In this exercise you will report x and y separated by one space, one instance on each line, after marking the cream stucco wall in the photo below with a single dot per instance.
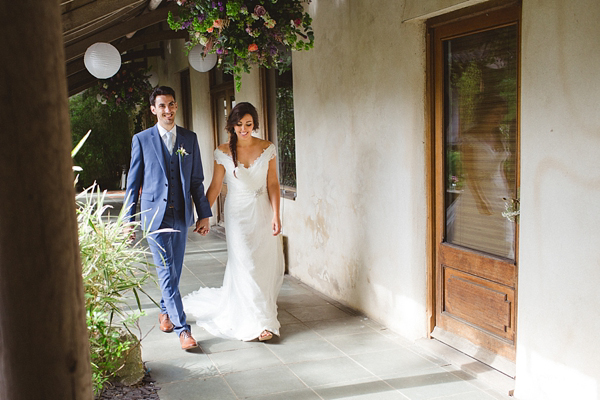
357 228
559 274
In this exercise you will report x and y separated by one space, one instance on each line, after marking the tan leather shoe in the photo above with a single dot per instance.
165 323
187 341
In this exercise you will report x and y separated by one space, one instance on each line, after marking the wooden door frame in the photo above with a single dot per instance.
225 88
186 99
432 159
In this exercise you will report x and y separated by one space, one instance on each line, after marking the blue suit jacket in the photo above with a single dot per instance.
147 170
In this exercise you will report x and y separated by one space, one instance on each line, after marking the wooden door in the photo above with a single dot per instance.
223 100
475 65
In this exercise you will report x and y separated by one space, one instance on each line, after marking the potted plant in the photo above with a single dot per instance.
114 269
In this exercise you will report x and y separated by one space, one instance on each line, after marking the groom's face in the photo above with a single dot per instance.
165 108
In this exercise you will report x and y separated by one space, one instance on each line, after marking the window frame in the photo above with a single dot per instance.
269 87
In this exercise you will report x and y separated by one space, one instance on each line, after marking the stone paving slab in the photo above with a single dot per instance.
326 351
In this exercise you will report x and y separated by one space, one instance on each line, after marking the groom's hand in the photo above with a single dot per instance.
202 226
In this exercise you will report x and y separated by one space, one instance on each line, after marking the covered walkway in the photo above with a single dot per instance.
326 351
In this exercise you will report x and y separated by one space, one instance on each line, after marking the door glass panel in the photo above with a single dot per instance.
480 133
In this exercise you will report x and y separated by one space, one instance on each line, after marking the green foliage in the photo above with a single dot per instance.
107 350
481 65
286 136
468 85
128 90
107 151
113 269
246 32
455 171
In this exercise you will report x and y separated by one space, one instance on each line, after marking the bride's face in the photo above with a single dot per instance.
244 127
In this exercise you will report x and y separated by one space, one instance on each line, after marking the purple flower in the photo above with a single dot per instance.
220 50
221 8
272 50
213 4
259 10
201 17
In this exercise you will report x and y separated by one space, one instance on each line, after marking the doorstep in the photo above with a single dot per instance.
486 374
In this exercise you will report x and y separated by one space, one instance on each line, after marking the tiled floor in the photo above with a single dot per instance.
326 351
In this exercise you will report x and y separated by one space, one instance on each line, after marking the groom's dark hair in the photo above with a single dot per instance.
161 91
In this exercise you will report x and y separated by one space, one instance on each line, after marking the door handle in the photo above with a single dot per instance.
512 208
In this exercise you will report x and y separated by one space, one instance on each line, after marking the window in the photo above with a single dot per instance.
280 95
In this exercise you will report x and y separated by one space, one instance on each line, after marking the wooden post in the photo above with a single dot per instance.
44 350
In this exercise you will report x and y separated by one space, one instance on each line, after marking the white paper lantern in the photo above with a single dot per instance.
200 62
100 99
153 79
102 60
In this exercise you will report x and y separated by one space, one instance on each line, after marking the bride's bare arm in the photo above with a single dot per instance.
215 185
274 195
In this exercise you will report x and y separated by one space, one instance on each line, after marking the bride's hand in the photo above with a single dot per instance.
276 225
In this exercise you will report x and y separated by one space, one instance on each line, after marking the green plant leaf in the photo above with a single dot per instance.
80 144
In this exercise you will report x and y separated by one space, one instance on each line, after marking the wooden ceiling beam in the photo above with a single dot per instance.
84 80
98 10
100 24
80 81
140 39
70 5
74 67
145 53
118 31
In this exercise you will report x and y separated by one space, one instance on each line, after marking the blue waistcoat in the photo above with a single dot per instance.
175 194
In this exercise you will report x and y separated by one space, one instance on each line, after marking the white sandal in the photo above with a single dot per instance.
265 335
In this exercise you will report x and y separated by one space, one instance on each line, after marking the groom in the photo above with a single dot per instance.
165 163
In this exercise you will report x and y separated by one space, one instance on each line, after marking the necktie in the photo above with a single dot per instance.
169 142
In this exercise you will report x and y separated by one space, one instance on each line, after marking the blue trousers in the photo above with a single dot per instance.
167 250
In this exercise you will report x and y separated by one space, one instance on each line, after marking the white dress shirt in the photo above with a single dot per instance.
163 135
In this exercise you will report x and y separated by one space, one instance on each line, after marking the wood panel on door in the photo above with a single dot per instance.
475 65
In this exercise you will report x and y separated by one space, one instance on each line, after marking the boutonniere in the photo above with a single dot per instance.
182 152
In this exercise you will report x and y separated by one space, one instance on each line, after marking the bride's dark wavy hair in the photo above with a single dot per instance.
236 115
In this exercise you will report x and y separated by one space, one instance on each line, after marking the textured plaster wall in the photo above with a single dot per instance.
419 9
357 228
202 123
250 92
559 274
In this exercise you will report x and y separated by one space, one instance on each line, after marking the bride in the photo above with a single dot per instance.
244 308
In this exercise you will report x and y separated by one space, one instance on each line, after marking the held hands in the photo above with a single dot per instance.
276 225
202 226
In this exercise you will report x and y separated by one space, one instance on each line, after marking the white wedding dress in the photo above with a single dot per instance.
246 303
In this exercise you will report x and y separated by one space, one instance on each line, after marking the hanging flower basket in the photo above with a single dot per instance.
127 90
246 32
